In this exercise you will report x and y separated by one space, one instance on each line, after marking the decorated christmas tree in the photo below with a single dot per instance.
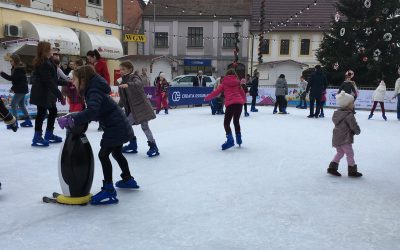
364 37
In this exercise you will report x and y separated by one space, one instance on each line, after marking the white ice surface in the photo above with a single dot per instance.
273 193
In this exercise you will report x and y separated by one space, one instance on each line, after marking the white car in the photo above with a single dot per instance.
187 81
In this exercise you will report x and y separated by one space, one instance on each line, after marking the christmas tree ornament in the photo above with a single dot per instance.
385 11
336 66
365 59
376 58
387 37
377 53
342 31
368 31
361 50
367 4
337 17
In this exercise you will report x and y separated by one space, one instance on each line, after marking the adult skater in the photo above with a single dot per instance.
162 94
343 135
281 90
379 97
254 91
20 88
117 130
44 95
137 107
397 94
303 94
316 86
234 100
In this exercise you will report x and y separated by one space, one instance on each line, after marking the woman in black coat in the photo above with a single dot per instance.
254 91
44 94
117 130
20 89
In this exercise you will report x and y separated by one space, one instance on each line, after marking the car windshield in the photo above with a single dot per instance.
177 78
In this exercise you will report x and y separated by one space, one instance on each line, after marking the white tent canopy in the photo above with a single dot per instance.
63 38
108 46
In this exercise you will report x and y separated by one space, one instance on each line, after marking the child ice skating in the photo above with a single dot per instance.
162 87
323 102
137 107
117 130
75 101
20 89
243 83
45 94
343 135
379 97
303 94
281 90
234 100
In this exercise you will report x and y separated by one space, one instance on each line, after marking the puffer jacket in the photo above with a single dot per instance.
101 107
345 127
18 80
281 87
233 92
134 99
380 92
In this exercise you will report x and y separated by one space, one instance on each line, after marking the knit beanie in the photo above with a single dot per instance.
343 99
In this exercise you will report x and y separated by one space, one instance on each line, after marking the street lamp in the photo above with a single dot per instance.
237 26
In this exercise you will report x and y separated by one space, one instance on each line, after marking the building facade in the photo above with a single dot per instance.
290 37
24 24
199 34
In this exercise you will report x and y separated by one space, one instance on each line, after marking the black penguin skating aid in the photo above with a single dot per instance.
76 169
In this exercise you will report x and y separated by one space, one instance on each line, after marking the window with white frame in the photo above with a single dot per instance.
228 40
305 47
285 47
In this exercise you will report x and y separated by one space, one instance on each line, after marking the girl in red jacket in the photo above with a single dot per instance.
100 64
162 87
234 100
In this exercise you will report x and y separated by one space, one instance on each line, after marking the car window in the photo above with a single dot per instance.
177 79
186 79
208 79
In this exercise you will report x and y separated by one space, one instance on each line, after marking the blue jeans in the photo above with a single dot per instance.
398 106
19 101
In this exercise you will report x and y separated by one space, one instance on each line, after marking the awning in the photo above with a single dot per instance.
63 38
108 46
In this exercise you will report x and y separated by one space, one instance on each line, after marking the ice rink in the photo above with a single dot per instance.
273 193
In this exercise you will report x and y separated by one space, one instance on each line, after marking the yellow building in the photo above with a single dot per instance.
22 27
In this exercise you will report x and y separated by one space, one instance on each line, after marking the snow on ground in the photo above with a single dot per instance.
273 193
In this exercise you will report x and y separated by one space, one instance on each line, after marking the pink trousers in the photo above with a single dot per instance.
345 150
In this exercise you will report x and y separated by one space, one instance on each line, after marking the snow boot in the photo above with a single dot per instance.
321 116
310 116
229 142
157 112
38 140
246 114
131 148
370 116
52 138
166 111
353 171
333 169
153 151
239 139
274 112
27 123
106 196
127 183
384 117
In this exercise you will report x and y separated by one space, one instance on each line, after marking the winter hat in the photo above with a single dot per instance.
163 75
343 99
350 74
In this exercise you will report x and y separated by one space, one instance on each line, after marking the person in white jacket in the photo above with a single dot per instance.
397 94
379 97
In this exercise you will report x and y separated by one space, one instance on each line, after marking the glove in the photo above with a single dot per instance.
62 101
66 121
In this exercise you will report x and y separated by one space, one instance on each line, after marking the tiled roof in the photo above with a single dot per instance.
277 11
192 8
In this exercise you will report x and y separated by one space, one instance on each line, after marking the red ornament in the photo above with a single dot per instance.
365 59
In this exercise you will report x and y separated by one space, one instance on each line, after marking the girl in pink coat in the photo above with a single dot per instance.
234 100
